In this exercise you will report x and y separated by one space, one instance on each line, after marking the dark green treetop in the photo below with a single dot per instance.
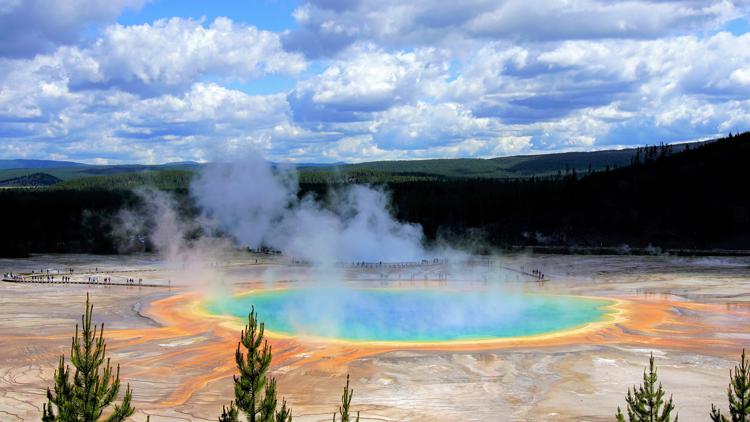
346 401
738 393
284 414
229 414
646 402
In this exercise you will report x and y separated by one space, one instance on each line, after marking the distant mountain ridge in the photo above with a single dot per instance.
37 164
22 163
511 167
516 166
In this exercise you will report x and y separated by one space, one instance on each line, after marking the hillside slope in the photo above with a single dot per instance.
695 199
31 180
521 166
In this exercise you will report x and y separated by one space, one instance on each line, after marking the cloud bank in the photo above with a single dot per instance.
365 80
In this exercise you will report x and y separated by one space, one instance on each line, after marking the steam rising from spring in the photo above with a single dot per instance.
172 235
258 205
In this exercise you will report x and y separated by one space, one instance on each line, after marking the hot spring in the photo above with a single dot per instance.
412 315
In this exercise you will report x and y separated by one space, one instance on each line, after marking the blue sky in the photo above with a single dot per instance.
271 15
122 81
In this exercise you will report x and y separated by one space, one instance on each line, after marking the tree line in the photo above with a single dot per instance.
696 198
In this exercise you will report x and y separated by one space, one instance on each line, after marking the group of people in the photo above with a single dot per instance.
50 278
380 264
95 280
65 279
44 275
535 272
108 280
56 276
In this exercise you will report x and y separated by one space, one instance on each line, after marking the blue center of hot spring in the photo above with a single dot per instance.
413 315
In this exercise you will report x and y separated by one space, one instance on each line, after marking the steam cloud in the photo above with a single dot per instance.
173 236
258 205
250 203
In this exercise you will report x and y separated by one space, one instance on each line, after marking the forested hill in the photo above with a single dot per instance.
83 176
666 197
31 180
519 166
695 199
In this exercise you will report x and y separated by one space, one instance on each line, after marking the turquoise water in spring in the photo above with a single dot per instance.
412 315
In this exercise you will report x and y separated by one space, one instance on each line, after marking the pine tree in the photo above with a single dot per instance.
646 403
346 400
92 388
738 393
284 414
229 414
254 390
268 404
